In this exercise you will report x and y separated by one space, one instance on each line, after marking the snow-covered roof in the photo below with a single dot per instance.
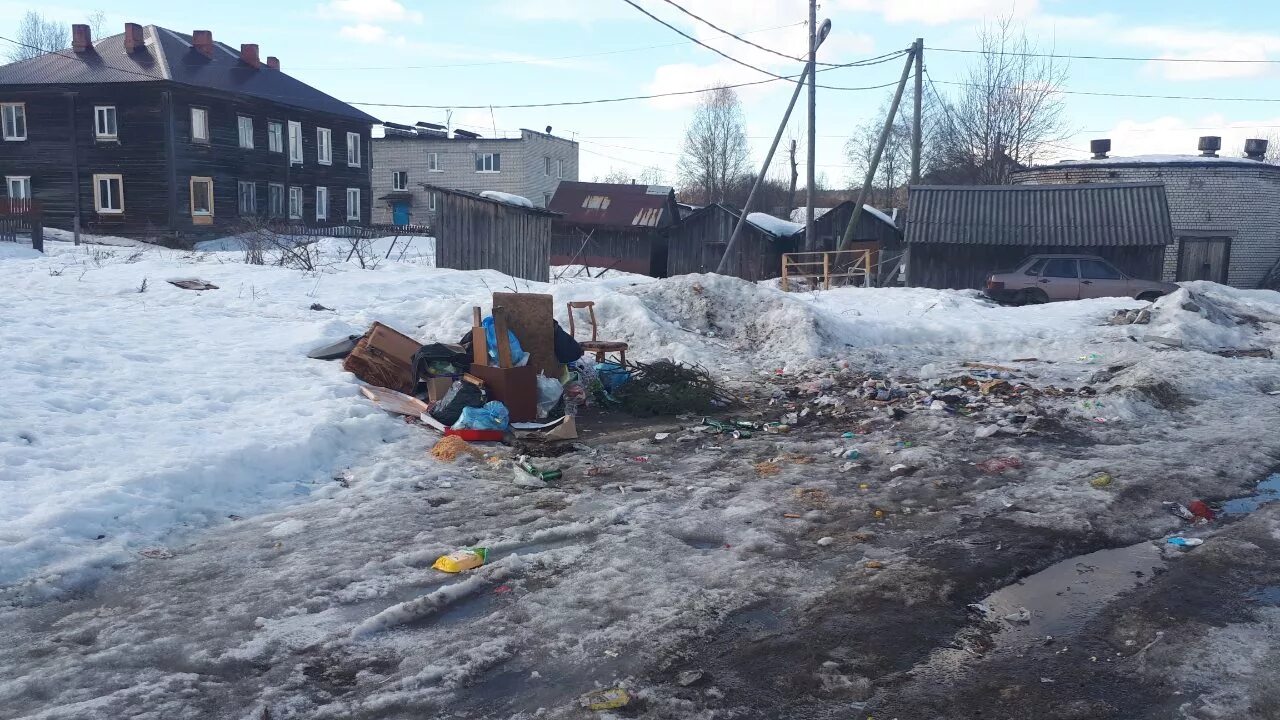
798 214
507 198
774 226
1159 160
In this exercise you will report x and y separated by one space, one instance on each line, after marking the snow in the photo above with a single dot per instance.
774 226
798 214
878 214
507 198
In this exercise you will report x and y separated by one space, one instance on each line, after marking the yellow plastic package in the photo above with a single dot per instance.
464 559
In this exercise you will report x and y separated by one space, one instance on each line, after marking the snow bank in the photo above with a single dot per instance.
507 198
1208 316
774 226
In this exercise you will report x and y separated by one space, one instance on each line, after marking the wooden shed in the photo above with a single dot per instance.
484 233
698 242
957 235
613 225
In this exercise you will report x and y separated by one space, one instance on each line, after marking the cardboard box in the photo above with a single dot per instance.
437 388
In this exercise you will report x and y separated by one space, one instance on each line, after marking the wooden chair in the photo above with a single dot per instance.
594 345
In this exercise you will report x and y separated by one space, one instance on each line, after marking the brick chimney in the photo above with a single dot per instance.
133 40
249 55
273 62
81 38
202 40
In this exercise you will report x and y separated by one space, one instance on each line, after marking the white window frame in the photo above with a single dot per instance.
400 180
433 162
275 136
353 204
244 128
199 124
97 194
9 114
19 181
324 146
295 143
353 149
101 113
559 168
283 197
322 203
252 211
488 162
200 180
295 192
431 202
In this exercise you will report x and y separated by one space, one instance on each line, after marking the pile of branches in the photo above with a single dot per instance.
665 387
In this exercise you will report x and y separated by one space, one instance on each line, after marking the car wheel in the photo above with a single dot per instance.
1034 296
1149 296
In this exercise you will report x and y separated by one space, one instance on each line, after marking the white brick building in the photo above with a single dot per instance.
1225 211
406 158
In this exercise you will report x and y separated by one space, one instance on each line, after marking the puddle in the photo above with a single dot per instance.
1269 596
1268 492
1064 597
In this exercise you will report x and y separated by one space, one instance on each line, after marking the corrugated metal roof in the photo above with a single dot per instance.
169 56
614 204
1092 215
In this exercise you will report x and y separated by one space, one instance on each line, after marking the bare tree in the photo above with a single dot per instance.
715 154
1008 110
894 171
651 175
37 36
97 21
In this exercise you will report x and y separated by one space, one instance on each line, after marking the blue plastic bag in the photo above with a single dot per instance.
518 356
493 415
612 375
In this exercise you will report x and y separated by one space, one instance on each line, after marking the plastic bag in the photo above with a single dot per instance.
612 376
519 358
464 559
493 416
460 396
549 392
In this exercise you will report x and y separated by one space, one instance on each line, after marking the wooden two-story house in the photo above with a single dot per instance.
153 132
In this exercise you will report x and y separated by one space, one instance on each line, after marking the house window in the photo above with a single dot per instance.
546 166
104 122
275 137
324 146
248 194
245 124
19 187
560 168
13 117
488 162
353 150
546 199
199 125
295 143
295 203
108 194
400 180
275 200
433 162
322 203
353 204
596 202
431 202
201 196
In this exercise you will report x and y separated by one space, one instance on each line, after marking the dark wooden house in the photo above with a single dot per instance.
154 132
612 225
698 242
474 232
957 235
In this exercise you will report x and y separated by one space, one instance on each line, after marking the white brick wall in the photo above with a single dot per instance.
522 168
1239 200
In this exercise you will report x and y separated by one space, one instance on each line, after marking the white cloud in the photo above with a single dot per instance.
1188 43
371 12
1178 136
364 33
941 12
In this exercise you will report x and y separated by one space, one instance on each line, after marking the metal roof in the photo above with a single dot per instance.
1090 215
619 205
168 56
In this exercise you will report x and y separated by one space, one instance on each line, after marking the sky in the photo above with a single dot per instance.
510 52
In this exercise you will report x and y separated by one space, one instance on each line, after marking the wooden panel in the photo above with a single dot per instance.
1204 258
530 316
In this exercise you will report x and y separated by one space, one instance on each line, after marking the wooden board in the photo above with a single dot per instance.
517 388
531 317
394 402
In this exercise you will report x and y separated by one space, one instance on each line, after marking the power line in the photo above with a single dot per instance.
540 61
717 28
1127 58
1126 95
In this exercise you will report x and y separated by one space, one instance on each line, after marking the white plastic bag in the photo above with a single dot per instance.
549 392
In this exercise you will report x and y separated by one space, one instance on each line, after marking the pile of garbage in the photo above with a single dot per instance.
1130 317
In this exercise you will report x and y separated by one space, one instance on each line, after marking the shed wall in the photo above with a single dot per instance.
475 234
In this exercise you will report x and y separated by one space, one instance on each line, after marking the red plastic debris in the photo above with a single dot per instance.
995 466
1200 509
502 590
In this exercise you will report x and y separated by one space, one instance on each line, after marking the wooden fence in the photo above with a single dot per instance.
362 232
21 216
844 267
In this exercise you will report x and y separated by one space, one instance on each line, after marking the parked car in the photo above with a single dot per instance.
1041 278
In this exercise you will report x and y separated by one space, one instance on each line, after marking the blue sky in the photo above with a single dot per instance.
504 52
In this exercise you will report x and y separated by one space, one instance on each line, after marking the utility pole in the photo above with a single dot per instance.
795 174
768 158
810 244
875 159
916 139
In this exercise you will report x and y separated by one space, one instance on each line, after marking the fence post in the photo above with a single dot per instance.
37 232
826 271
784 273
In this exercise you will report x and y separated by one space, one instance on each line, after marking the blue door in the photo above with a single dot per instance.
400 212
